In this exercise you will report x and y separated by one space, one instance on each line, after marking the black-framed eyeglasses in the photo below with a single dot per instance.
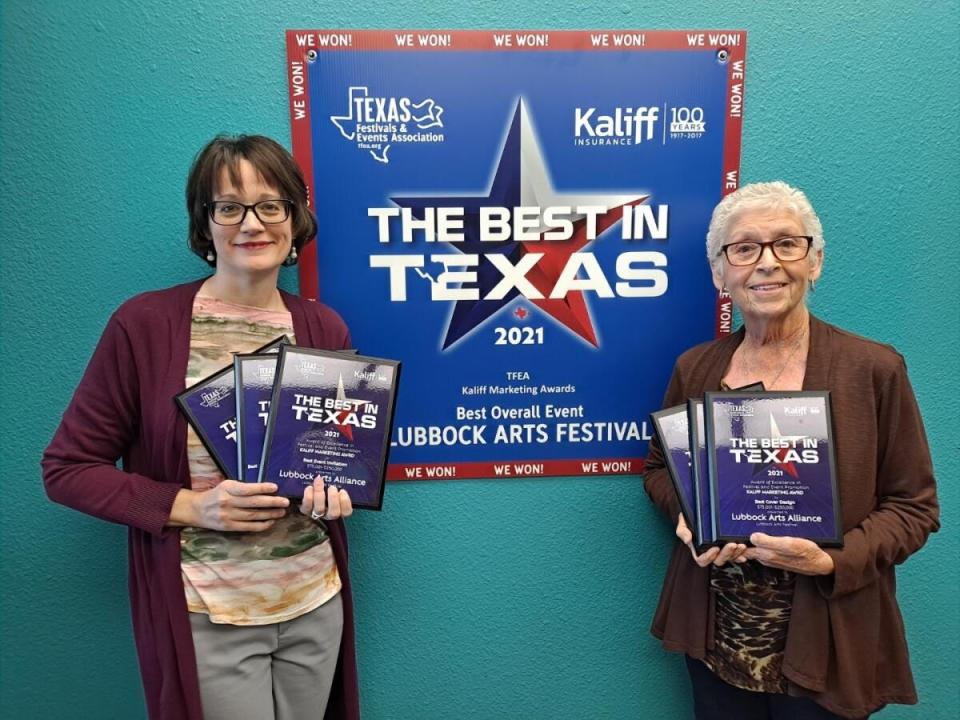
787 249
230 212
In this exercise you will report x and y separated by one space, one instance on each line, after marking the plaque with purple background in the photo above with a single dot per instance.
331 415
771 465
704 532
253 377
674 434
211 409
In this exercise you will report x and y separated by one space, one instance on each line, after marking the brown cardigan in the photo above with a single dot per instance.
846 646
124 407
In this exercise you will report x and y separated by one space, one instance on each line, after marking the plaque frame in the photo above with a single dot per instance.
288 351
704 533
239 360
836 539
687 499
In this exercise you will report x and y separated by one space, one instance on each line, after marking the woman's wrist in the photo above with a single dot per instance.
183 513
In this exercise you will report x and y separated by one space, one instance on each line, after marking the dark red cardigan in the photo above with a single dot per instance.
124 408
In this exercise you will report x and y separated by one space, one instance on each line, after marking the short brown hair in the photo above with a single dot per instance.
270 159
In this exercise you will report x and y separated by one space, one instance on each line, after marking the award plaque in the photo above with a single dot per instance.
771 465
253 378
331 416
688 471
674 434
703 531
210 407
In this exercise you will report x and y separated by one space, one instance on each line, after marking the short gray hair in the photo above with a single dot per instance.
776 195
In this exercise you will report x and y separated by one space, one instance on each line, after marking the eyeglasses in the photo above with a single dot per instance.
228 212
786 249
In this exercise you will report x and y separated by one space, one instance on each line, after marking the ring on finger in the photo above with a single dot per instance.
314 515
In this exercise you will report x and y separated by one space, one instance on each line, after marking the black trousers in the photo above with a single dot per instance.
713 699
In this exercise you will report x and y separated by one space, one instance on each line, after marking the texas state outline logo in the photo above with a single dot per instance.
376 123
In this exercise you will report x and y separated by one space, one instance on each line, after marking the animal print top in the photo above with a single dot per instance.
753 604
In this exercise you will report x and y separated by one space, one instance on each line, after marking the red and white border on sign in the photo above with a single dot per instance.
514 469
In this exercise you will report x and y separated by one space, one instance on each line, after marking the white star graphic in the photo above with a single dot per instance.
342 393
536 189
775 433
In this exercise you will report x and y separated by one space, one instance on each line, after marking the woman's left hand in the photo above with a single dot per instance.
330 503
789 553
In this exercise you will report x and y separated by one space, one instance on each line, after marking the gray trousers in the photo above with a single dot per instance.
268 672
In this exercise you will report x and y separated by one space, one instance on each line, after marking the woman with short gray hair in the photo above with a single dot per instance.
782 628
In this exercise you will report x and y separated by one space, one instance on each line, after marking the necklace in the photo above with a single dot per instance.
750 371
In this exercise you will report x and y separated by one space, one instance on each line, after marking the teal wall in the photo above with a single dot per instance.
481 599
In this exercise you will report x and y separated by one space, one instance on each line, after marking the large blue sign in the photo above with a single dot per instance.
519 218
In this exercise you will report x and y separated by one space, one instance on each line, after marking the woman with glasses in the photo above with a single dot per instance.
784 628
241 603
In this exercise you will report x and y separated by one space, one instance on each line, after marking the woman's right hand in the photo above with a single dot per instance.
730 552
232 506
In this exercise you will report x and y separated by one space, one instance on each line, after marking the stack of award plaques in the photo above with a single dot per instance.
211 408
288 414
748 461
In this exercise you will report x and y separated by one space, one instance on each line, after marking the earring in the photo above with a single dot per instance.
211 256
292 257
813 285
